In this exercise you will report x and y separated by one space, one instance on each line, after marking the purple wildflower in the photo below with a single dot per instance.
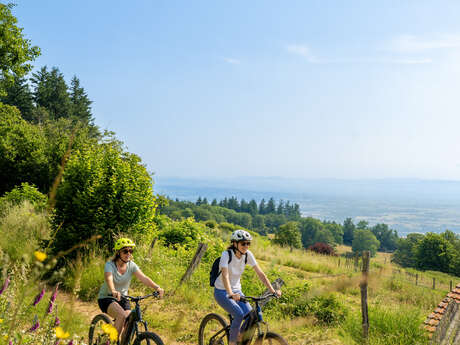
53 299
70 342
10 342
57 322
39 297
5 285
57 342
35 325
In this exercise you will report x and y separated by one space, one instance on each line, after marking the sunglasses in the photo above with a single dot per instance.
127 251
245 244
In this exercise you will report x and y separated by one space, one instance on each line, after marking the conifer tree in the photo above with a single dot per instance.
81 105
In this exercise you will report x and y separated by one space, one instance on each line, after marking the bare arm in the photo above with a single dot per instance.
263 278
109 280
149 282
226 282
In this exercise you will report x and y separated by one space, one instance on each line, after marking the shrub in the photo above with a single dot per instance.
322 248
211 224
328 309
24 192
185 232
104 191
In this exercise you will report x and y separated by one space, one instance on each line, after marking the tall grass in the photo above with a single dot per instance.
389 325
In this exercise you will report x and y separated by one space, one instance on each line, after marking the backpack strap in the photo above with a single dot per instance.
229 255
246 258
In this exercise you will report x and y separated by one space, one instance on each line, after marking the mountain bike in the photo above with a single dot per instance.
132 335
214 330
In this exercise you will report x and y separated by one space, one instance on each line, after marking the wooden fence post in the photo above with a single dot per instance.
416 279
363 286
194 263
450 286
434 283
152 245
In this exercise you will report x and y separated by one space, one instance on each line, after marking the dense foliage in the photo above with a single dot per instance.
104 191
435 252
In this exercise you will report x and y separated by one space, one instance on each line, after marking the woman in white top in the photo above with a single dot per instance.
227 287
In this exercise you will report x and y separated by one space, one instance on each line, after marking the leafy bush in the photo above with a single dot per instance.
185 232
211 224
24 192
104 191
328 309
322 248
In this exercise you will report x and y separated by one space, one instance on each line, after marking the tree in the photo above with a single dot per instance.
405 254
336 230
365 240
348 230
104 191
271 208
388 238
262 206
18 93
51 92
309 228
22 152
253 210
362 225
80 103
289 235
434 253
15 50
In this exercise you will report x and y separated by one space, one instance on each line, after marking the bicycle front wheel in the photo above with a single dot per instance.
148 338
209 327
96 335
270 338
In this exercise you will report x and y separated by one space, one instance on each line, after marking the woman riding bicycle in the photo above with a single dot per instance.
117 278
227 287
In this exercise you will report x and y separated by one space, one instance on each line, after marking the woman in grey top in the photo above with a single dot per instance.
117 277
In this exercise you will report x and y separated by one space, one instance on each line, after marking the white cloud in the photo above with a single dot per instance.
232 61
415 44
302 50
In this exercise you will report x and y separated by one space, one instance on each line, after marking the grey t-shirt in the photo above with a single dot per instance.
120 281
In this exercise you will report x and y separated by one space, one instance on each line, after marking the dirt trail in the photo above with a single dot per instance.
89 309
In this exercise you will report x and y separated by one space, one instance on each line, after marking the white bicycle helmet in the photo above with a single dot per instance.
240 235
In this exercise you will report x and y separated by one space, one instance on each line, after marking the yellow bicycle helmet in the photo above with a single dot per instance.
122 243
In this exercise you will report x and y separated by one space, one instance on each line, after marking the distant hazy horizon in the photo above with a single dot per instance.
406 205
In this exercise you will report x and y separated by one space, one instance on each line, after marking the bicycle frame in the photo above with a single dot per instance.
134 318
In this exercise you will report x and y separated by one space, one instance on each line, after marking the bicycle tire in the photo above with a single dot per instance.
94 326
149 337
270 338
204 331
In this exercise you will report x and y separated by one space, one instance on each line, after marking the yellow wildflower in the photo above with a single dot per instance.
111 331
60 334
40 256
1 320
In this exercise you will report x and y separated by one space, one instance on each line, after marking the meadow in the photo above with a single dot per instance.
320 302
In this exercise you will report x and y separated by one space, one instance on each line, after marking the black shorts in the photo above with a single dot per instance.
105 302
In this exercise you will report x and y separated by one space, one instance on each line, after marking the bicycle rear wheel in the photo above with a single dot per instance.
148 338
270 338
96 335
212 324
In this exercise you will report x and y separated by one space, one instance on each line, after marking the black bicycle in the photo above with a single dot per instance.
214 330
132 335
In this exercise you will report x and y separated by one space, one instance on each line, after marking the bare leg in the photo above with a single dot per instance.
118 313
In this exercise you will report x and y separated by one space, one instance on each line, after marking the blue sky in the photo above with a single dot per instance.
313 89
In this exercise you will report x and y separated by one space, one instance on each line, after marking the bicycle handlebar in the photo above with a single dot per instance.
155 294
256 299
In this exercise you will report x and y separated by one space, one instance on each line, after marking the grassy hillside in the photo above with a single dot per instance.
320 302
